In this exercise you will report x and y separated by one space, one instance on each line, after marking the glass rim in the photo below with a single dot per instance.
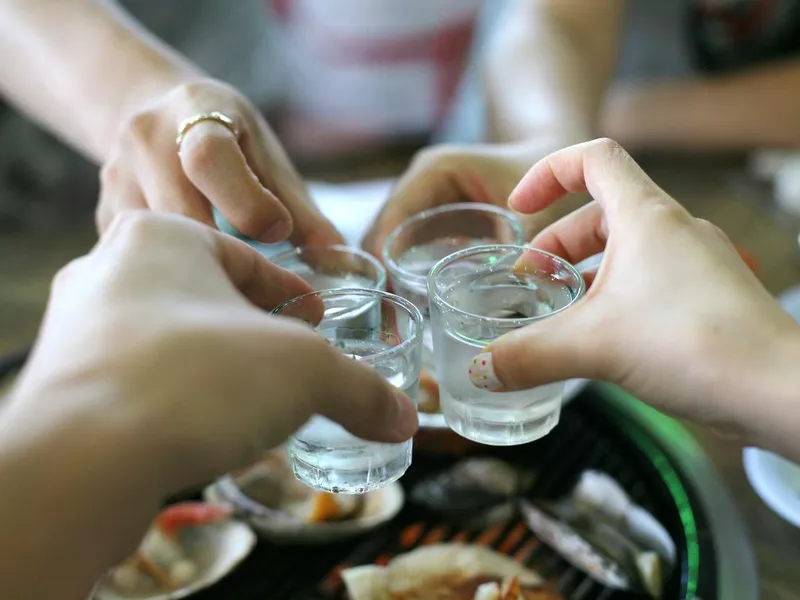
297 251
395 269
434 296
416 315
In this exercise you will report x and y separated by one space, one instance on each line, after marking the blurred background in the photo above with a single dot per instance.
268 50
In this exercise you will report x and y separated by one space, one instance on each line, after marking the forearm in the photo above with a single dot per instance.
76 499
769 396
81 67
547 68
755 109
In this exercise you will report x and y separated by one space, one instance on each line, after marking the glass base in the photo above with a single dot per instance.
501 427
351 470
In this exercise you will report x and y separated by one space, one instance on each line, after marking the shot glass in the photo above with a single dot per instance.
322 454
331 267
419 243
477 295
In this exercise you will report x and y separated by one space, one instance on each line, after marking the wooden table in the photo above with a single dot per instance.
710 191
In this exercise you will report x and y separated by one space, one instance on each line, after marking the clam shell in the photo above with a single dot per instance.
379 507
215 549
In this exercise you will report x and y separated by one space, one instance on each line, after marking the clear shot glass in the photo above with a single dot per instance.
477 295
419 243
322 454
330 267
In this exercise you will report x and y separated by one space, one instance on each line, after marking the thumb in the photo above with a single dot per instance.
358 398
564 346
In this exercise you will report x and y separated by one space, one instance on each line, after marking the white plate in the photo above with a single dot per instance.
380 506
776 480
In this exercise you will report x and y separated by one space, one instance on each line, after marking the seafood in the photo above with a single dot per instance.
475 485
428 394
188 547
280 508
598 494
272 484
599 530
444 572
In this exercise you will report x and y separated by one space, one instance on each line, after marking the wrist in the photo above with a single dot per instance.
70 479
770 397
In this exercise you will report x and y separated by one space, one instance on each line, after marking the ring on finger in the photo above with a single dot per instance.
215 116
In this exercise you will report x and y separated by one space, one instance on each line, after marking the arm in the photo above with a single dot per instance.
78 493
742 111
81 67
548 67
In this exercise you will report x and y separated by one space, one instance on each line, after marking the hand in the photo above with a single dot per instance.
193 367
251 181
446 174
673 315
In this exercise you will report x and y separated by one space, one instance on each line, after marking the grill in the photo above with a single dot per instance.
593 434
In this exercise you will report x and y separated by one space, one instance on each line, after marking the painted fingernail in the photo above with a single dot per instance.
277 232
481 373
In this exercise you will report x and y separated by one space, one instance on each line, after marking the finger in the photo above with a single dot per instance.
167 190
215 164
565 346
414 192
362 401
119 191
274 169
264 284
577 236
600 167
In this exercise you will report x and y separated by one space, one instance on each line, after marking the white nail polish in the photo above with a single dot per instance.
481 373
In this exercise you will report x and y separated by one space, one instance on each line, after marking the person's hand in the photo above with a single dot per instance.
673 315
446 174
250 180
193 366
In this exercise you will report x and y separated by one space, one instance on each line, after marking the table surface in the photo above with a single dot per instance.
714 190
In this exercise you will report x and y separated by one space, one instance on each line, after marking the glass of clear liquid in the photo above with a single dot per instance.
419 243
477 295
330 267
383 331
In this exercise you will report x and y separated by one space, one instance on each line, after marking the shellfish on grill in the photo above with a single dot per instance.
189 547
283 510
445 572
475 491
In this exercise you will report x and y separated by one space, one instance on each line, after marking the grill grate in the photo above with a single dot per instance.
589 437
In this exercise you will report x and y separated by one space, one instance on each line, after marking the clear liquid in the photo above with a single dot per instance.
498 419
419 260
324 281
327 457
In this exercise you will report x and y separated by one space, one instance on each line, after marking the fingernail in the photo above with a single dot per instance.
277 232
407 419
481 373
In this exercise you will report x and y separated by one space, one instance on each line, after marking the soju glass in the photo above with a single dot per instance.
383 331
420 242
477 295
330 267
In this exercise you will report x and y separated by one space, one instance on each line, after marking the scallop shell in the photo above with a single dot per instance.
377 507
216 549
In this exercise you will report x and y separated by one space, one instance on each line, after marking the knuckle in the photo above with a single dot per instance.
66 274
609 147
141 127
710 227
109 174
137 226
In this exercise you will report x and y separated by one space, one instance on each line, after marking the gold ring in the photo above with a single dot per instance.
210 116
